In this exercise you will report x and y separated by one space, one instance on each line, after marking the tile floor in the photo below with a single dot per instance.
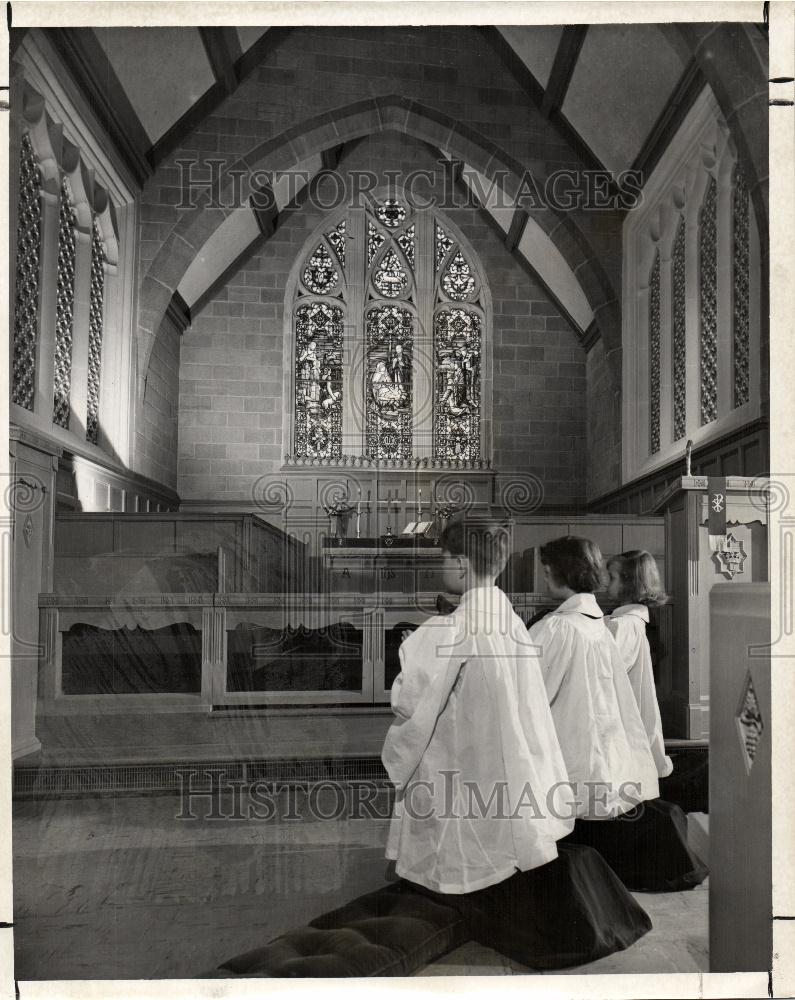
127 888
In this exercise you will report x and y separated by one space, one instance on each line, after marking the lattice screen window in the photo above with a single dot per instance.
397 368
26 304
95 331
654 356
708 297
64 310
679 333
741 288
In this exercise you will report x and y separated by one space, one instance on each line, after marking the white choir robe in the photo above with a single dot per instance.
596 717
628 626
471 708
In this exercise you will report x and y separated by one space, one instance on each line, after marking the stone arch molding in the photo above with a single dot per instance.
315 135
55 155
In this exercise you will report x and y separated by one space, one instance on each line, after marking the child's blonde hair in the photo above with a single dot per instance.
640 578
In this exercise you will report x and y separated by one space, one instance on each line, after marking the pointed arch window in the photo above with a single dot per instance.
654 356
26 304
741 288
708 298
406 393
95 332
679 332
65 303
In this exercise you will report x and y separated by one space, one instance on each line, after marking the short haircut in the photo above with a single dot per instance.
575 563
483 542
640 578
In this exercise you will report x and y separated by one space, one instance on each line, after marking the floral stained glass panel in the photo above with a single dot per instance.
679 339
375 240
65 300
457 339
443 245
458 281
26 304
388 390
391 213
337 238
95 335
320 274
406 243
741 264
708 286
318 380
390 277
654 357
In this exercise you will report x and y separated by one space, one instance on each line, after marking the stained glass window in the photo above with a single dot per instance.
403 251
741 264
708 287
406 242
388 392
375 240
458 282
443 245
320 274
391 213
318 380
679 338
26 304
65 299
457 337
654 356
390 278
95 334
337 239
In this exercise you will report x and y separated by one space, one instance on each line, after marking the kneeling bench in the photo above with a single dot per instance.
569 912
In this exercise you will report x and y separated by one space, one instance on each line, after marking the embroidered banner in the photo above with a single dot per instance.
716 505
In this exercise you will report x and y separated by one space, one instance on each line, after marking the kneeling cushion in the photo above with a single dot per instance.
393 931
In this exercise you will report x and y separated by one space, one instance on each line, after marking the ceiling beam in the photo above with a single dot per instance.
331 157
263 204
222 46
268 219
520 259
516 229
178 312
563 68
215 95
89 66
535 93
689 86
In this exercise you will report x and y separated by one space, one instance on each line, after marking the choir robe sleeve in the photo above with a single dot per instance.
431 660
630 635
555 646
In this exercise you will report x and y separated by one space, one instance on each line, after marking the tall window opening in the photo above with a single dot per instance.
26 304
405 302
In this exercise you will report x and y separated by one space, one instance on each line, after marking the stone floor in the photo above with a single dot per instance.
133 888
127 738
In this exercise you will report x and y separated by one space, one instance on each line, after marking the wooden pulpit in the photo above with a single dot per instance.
693 567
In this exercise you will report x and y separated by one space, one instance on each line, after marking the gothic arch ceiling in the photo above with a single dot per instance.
620 78
614 92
